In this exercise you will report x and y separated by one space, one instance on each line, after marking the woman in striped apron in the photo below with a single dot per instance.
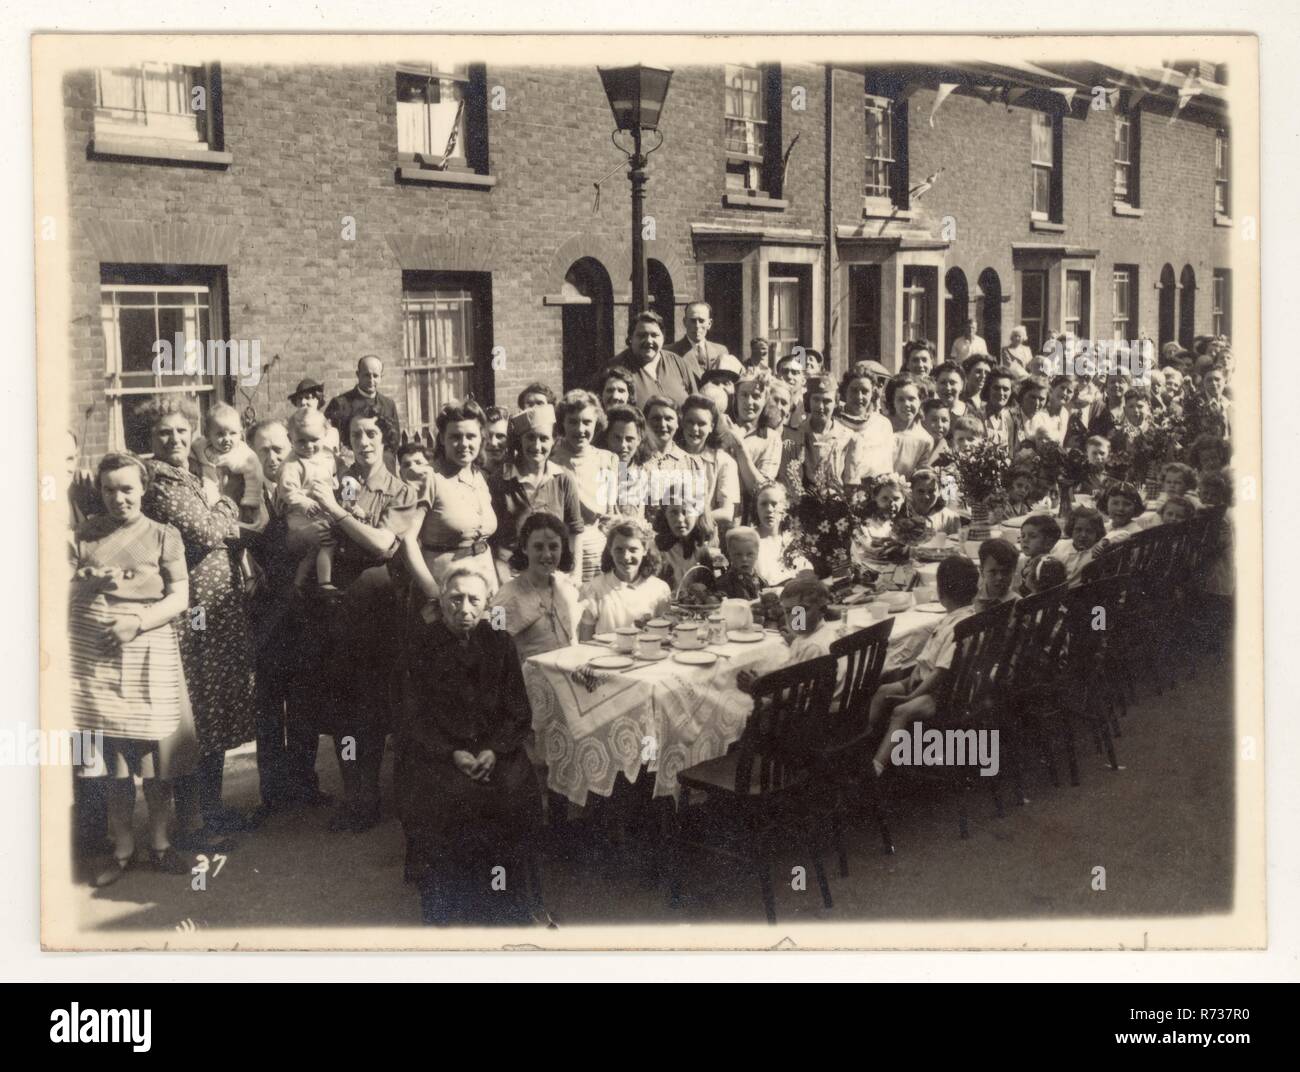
129 583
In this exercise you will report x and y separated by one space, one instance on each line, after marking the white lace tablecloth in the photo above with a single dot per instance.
592 725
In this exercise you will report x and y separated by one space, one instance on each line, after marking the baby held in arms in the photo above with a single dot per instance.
312 461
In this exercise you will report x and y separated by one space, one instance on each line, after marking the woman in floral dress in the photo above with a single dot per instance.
216 648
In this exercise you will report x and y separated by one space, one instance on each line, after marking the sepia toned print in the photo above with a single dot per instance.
803 491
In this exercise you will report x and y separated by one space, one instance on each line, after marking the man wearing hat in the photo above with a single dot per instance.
695 345
365 393
311 394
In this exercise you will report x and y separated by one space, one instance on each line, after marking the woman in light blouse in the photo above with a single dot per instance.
455 515
540 608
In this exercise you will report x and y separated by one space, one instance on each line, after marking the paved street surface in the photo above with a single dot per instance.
1162 827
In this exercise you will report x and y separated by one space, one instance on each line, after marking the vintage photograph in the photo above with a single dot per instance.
649 492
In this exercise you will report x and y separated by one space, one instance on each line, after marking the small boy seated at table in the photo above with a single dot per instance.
908 694
740 581
803 606
998 560
1038 536
1176 509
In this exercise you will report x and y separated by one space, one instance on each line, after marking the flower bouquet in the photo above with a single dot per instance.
1138 458
981 471
908 532
823 517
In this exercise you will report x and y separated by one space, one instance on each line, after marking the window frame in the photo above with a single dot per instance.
1131 194
469 162
884 107
120 398
755 163
1222 172
1083 321
1043 276
1128 286
1053 169
471 291
1221 302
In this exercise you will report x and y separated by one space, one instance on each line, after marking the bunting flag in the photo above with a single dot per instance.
945 89
1067 92
1112 98
1186 92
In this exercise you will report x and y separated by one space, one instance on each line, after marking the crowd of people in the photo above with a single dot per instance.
323 575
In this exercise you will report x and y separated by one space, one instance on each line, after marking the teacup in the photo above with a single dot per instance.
649 645
878 609
687 635
927 593
625 639
660 627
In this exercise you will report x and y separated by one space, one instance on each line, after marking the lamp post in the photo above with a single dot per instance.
636 97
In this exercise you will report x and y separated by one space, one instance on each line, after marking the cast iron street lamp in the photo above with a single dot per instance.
636 97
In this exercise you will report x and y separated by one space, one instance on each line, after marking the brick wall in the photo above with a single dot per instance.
313 144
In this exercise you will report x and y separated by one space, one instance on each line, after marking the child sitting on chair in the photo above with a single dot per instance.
908 694
1085 531
997 568
1038 536
806 630
740 581
1122 504
1042 573
1097 451
1177 509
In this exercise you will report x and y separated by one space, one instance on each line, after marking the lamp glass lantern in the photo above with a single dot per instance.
636 95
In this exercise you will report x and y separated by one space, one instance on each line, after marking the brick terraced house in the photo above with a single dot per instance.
446 219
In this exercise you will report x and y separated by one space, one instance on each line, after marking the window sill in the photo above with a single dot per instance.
1123 208
881 208
1047 226
130 149
756 201
464 179
1221 220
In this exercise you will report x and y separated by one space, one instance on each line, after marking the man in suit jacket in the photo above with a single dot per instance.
695 345
365 393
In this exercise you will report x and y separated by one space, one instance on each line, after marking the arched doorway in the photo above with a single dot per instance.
956 310
588 317
1187 308
990 288
1168 294
662 299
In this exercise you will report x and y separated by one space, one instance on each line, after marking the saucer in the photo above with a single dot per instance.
747 636
612 662
695 658
653 658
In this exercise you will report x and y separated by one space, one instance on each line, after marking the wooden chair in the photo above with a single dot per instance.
762 794
1087 691
843 757
968 699
1035 642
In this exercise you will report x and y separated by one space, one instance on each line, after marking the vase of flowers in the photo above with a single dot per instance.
981 467
822 520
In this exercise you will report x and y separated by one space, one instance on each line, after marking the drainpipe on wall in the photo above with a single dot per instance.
827 273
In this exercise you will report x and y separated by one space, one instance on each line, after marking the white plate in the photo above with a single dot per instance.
932 608
678 646
605 638
612 662
696 658
747 636
652 658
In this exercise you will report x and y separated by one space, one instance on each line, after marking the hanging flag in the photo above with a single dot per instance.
1186 92
1067 92
945 89
1112 98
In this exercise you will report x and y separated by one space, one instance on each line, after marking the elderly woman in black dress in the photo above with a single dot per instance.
466 792
216 649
